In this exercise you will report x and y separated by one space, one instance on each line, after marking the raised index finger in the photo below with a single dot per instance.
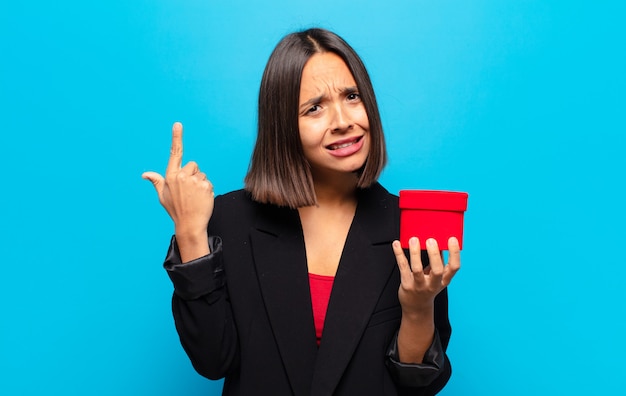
176 151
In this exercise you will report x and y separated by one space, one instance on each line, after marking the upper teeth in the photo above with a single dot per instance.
340 146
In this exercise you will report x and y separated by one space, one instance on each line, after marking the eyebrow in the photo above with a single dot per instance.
311 102
317 99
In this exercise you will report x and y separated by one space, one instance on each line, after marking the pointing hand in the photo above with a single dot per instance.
185 192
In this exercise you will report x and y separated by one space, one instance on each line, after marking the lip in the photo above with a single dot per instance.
354 145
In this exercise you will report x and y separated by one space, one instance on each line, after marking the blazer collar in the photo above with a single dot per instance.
280 259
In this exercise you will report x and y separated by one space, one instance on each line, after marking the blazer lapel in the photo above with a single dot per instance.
280 259
363 272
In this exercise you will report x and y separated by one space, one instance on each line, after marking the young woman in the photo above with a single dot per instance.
297 285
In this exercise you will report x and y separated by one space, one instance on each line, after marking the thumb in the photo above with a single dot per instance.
156 180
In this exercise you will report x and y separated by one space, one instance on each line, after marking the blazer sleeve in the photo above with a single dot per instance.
202 311
433 373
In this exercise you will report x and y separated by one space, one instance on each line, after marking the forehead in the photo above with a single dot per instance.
326 70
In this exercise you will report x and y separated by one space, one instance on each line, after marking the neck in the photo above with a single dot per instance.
336 191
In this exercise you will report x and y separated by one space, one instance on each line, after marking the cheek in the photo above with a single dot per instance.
307 141
311 132
359 117
363 120
303 132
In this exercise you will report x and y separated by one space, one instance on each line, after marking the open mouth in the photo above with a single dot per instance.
344 143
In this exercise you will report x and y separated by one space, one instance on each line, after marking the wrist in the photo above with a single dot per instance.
415 335
192 245
191 235
419 314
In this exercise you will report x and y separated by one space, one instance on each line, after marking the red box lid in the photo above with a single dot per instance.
433 200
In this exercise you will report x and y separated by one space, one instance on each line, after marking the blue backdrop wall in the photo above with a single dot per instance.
520 103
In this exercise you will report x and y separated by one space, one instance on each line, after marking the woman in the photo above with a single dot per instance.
297 285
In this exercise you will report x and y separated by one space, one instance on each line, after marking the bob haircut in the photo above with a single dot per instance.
279 172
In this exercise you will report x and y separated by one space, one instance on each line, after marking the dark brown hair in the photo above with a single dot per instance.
279 173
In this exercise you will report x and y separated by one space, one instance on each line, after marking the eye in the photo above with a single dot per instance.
313 109
353 96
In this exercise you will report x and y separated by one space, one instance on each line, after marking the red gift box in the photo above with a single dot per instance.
432 214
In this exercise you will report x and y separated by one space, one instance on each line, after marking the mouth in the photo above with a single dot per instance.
344 143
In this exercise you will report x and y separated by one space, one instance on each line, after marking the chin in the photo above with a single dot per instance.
357 169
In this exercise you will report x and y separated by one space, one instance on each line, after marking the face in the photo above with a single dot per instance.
333 124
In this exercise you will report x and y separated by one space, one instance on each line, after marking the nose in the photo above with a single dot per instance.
341 120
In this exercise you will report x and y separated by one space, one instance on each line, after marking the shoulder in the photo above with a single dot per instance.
237 198
378 213
237 209
232 209
377 196
240 202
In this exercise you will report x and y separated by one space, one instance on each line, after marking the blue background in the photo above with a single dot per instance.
519 103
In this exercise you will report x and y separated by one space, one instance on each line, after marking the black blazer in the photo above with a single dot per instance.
244 311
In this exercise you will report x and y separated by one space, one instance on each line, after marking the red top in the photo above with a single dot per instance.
321 286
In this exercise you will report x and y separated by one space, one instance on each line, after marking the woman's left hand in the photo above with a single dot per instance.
419 286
